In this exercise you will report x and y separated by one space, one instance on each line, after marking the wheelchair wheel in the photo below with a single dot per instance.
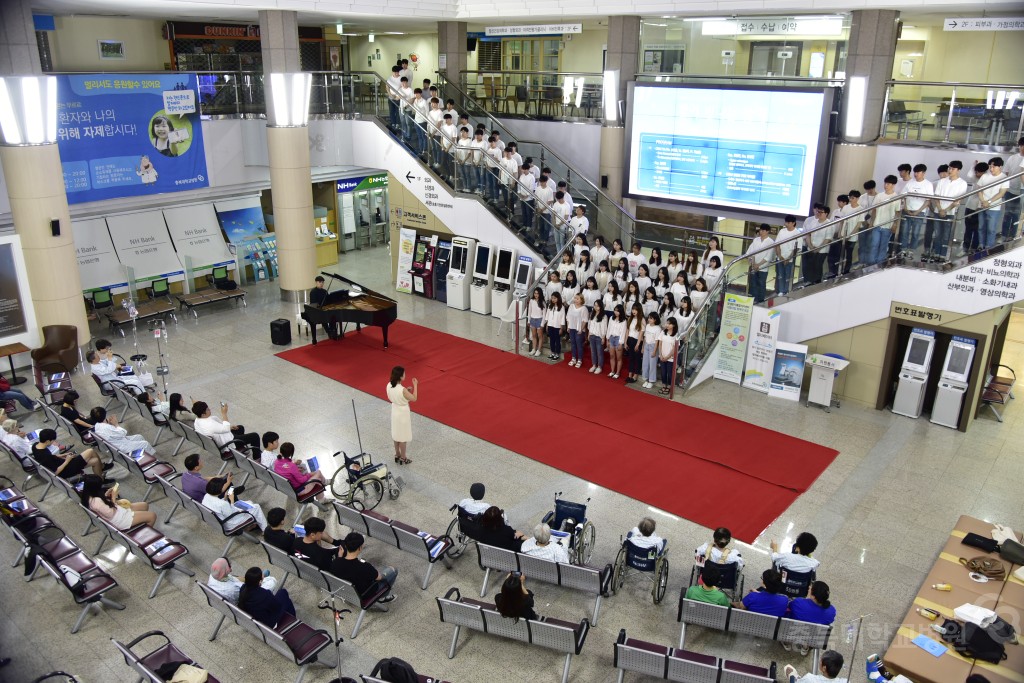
660 580
619 570
585 541
367 492
459 540
394 490
339 485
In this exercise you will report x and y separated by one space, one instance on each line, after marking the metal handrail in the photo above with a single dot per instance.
737 77
716 292
530 73
953 84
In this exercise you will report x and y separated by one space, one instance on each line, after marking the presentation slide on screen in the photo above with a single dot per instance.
743 149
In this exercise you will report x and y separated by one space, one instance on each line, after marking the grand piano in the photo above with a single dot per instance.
359 305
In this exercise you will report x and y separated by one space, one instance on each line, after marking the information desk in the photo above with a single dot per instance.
1006 598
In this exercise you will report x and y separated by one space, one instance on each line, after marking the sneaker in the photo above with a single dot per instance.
107 466
630 380
386 599
579 363
647 385
803 650
526 342
537 353
611 373
553 357
615 376
37 406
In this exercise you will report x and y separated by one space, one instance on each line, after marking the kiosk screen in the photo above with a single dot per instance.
483 254
459 257
918 352
504 268
523 274
421 252
959 359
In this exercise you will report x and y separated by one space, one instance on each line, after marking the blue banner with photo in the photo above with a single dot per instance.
129 135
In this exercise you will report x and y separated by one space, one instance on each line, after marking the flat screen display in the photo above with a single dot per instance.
918 354
748 148
421 252
523 274
504 268
959 360
483 257
459 258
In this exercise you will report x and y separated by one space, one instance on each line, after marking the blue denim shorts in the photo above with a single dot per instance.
613 342
535 323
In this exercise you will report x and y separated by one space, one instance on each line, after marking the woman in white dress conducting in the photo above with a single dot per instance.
401 416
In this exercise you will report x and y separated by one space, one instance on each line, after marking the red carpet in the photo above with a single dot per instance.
711 469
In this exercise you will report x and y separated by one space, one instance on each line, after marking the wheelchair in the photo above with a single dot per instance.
361 483
571 518
633 558
732 578
463 530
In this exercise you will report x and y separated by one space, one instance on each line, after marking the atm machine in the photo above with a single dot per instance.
483 279
914 373
956 371
501 296
423 259
459 277
442 259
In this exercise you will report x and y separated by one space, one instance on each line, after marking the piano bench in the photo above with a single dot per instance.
301 325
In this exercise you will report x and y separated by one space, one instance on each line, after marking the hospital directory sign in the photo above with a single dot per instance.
117 138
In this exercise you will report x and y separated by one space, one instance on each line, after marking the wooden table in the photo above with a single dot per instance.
1006 598
9 350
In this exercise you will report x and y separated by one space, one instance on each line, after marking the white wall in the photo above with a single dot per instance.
423 44
75 48
579 144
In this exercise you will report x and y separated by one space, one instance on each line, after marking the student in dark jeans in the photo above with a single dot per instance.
361 574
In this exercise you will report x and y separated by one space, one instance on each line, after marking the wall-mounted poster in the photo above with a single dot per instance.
116 138
12 316
241 219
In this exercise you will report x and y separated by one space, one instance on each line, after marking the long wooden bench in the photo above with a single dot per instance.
147 664
292 637
328 583
205 297
743 622
587 579
396 534
239 524
562 636
683 666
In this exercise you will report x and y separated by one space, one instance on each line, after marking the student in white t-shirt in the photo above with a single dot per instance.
944 212
554 321
616 338
990 200
576 319
786 242
915 209
597 332
651 334
668 343
635 259
535 320
271 442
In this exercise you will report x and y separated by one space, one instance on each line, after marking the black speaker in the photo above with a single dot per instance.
281 332
55 227
470 44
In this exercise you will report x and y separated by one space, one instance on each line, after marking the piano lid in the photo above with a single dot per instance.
365 290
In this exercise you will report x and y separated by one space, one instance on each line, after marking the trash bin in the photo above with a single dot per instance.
281 332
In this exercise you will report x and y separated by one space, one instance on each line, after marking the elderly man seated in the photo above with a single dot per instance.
541 546
102 364
643 536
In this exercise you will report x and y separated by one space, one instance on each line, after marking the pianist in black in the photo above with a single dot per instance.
358 305
317 296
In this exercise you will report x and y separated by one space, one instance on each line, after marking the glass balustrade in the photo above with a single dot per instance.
956 113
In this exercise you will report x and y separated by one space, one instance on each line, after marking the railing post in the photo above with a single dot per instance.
949 117
516 324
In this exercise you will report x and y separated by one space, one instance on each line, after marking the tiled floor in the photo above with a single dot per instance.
881 512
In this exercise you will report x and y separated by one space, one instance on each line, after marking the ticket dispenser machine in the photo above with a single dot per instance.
423 259
524 277
501 295
459 272
483 279
956 372
914 373
442 260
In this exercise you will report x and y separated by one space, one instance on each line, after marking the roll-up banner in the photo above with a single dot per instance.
196 234
97 260
732 343
406 242
142 243
764 334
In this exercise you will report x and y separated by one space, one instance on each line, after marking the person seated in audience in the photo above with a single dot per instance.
223 501
310 547
515 601
226 585
121 514
102 364
14 437
799 560
475 505
348 566
815 609
9 394
220 429
496 532
541 546
65 465
718 550
830 668
105 426
276 533
707 589
176 409
271 442
302 482
194 484
643 536
769 598
261 604
70 413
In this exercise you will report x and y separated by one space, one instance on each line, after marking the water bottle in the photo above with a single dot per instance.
939 629
849 632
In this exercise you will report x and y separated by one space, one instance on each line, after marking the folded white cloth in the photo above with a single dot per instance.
974 614
1004 533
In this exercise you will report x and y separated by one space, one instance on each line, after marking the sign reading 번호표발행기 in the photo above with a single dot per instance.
117 137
